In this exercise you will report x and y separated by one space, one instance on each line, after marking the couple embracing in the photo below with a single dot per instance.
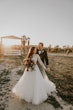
34 86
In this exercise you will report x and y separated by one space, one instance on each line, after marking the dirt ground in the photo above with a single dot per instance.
11 69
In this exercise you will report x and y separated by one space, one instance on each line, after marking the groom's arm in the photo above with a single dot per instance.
46 57
37 51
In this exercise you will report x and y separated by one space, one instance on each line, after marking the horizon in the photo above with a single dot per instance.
9 42
47 21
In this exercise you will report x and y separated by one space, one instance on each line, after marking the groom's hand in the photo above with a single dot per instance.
48 68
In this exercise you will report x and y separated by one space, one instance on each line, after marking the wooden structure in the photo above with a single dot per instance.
21 51
11 51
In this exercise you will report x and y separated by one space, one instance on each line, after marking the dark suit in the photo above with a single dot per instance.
43 55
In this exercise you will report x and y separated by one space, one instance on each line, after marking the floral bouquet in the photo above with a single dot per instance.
29 64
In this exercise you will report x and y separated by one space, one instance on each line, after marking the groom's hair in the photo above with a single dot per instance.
41 43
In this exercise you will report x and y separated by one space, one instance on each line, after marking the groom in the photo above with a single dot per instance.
43 54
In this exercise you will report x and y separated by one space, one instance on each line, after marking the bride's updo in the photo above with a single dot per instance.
31 52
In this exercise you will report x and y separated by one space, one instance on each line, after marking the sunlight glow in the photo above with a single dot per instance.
10 42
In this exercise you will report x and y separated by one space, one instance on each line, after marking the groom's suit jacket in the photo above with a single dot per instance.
43 55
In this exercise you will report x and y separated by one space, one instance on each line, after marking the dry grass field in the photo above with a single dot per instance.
11 69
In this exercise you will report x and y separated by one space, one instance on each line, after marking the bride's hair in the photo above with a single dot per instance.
31 52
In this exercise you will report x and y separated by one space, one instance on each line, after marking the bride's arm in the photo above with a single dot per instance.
40 62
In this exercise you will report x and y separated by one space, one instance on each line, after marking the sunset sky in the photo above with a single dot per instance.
47 21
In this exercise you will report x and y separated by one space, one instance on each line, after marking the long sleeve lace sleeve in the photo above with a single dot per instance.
40 62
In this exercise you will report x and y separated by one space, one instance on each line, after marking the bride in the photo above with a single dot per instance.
32 86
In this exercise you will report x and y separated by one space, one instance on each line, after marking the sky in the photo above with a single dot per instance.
47 21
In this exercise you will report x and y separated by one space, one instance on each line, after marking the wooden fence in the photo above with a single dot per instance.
12 52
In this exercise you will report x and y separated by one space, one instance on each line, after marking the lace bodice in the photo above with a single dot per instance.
36 58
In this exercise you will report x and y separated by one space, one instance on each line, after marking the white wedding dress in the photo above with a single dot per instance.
34 86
